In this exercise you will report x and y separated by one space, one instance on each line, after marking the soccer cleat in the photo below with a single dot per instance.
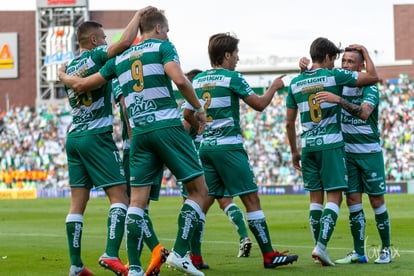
322 256
114 264
353 257
279 258
136 271
384 257
244 248
201 266
182 264
198 262
158 257
79 271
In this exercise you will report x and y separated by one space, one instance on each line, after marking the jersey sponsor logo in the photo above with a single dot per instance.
319 141
307 82
315 132
313 89
352 120
313 142
83 117
140 106
213 78
142 46
76 67
150 118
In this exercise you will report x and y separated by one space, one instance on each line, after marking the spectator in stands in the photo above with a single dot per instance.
398 151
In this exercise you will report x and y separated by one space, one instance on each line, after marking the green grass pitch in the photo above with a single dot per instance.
33 240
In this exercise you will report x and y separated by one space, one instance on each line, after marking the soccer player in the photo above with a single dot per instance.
322 154
145 71
364 159
89 141
159 252
225 162
226 203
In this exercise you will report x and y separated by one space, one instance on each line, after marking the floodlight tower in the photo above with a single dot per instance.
56 22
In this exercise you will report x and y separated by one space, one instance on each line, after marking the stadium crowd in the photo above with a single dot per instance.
32 146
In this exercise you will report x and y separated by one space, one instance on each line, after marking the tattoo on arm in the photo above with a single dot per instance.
353 109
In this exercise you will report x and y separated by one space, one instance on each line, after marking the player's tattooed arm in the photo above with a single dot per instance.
361 111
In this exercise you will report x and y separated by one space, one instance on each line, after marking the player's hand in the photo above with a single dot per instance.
146 9
278 82
296 161
325 96
358 47
304 63
201 119
62 70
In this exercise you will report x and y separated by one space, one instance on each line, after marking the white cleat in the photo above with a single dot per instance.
182 264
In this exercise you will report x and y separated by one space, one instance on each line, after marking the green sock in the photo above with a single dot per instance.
257 224
188 220
195 244
74 225
383 225
236 217
116 228
150 238
328 222
315 214
134 223
357 223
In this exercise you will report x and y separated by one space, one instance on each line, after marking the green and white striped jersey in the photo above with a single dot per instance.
361 136
220 91
91 110
147 90
320 122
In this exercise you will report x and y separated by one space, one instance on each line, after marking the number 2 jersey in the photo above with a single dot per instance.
219 91
320 122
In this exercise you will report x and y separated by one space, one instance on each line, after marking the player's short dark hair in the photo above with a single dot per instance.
86 29
192 73
220 44
353 50
321 47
